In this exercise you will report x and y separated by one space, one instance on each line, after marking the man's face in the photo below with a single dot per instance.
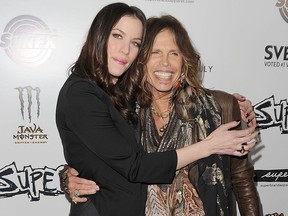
164 64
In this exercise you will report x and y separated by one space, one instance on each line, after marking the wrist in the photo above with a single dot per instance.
206 148
63 178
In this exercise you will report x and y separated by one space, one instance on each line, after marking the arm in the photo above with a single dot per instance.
242 174
242 171
244 188
86 187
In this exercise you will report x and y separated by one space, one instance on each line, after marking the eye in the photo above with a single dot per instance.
155 52
136 44
175 53
118 36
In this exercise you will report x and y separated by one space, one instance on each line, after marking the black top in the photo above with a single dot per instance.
102 146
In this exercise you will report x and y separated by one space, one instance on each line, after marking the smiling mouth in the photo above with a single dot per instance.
163 75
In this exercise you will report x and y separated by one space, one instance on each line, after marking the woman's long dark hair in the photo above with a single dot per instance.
92 62
191 58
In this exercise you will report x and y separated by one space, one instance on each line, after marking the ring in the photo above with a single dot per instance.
73 199
76 193
242 150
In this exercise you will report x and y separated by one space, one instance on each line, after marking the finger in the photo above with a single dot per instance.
83 189
239 154
79 199
248 108
252 123
251 146
239 97
244 134
250 138
71 193
72 172
86 192
78 180
91 186
251 120
229 125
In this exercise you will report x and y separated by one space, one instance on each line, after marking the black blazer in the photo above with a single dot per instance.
102 146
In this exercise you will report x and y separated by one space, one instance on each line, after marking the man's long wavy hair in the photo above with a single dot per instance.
92 62
191 67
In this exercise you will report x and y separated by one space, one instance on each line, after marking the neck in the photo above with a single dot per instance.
161 101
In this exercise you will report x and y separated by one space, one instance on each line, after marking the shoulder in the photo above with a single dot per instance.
229 105
223 97
76 85
221 94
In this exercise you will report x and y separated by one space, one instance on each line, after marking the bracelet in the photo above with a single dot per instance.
63 178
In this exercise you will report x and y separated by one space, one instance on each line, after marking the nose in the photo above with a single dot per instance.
125 48
165 60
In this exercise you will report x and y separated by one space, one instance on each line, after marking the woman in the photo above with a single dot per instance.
100 131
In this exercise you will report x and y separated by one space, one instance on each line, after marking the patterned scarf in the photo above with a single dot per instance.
199 187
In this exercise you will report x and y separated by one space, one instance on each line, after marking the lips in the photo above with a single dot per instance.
120 61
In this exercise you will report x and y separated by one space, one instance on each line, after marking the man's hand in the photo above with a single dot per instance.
76 188
246 109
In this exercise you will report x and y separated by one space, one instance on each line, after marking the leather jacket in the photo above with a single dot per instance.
242 171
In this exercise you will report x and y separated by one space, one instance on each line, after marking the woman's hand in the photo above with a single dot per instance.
76 188
246 109
225 140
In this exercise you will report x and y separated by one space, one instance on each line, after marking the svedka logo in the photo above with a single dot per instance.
280 175
276 56
27 40
32 133
283 9
271 114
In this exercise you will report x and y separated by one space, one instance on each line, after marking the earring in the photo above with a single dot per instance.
177 87
180 81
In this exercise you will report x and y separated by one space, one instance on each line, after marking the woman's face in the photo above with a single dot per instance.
123 45
164 65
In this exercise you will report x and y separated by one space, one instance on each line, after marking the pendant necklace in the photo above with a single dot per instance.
163 116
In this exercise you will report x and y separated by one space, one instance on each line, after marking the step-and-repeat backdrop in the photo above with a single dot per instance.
244 47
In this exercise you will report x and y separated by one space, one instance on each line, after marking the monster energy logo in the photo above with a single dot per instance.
28 90
30 134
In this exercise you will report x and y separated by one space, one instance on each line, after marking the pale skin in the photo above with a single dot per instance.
123 45
164 69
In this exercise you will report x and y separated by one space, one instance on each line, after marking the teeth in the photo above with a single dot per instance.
163 75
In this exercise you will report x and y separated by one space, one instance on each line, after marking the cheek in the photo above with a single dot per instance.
133 54
151 63
180 63
109 51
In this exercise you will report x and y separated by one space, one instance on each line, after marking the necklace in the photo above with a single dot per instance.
163 116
